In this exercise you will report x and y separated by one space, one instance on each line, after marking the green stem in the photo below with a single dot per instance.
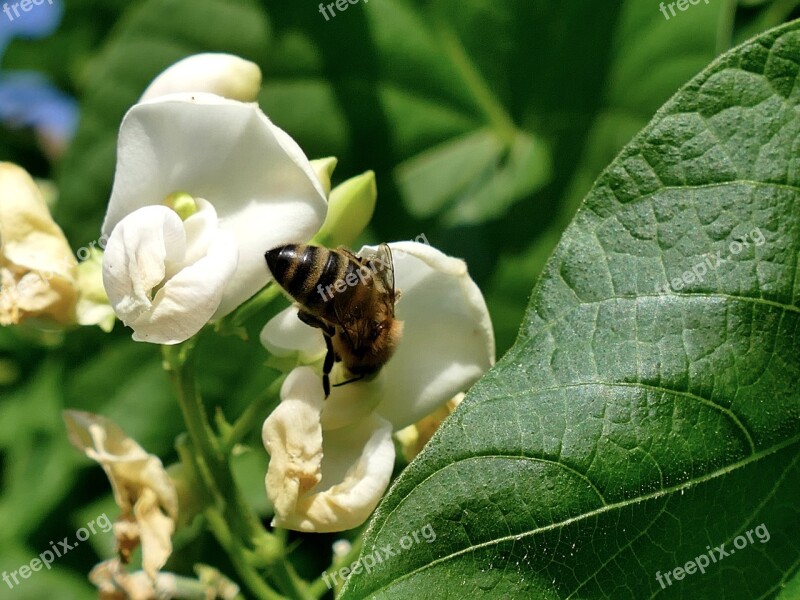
249 575
495 112
255 305
231 518
178 362
253 415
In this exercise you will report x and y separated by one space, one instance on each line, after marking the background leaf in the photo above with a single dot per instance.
610 442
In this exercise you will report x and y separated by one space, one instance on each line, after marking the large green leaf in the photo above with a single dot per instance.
648 410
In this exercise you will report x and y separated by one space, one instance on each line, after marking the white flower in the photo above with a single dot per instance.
204 186
142 488
331 460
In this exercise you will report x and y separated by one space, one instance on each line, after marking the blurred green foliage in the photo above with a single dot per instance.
486 121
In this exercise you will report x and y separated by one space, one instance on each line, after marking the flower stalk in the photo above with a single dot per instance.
234 524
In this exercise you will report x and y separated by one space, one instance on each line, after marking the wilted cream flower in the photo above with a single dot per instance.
113 582
142 489
331 459
37 267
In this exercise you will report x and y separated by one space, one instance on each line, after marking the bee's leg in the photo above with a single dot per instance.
359 378
313 321
327 365
328 332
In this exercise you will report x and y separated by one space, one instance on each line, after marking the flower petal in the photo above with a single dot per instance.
148 246
323 483
93 307
285 334
223 74
448 341
293 437
155 532
257 178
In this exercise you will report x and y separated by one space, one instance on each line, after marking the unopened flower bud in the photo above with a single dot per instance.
350 208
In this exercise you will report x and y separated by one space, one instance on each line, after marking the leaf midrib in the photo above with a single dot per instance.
599 511
630 384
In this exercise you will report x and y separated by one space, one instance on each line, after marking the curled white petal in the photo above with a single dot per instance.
223 74
162 283
285 334
323 483
257 178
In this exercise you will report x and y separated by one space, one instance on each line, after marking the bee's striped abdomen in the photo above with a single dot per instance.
303 270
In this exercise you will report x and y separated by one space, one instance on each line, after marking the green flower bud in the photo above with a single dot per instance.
350 208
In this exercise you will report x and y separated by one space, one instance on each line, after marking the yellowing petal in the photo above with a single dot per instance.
93 307
414 437
142 488
37 267
317 481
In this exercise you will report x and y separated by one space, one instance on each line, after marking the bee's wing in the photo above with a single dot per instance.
384 268
355 306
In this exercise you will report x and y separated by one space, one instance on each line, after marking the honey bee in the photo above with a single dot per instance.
350 298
